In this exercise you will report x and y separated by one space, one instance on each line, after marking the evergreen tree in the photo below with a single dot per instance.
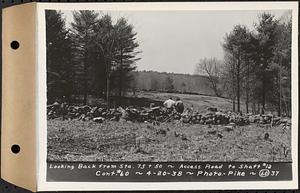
236 44
259 62
283 60
266 70
125 57
84 58
59 69
105 40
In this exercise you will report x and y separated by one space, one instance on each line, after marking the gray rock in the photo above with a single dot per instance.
99 119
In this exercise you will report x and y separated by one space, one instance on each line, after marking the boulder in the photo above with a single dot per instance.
212 109
99 119
228 128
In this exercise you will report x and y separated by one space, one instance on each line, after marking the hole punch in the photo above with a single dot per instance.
15 149
14 45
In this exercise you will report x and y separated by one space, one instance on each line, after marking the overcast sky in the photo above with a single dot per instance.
174 41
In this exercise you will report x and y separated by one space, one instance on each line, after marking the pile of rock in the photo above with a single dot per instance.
214 118
154 114
264 119
239 119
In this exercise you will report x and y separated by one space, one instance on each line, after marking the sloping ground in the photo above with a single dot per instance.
172 141
198 102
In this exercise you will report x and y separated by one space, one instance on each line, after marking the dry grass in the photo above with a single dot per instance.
173 141
199 102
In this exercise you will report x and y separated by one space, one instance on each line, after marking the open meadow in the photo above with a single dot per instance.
198 102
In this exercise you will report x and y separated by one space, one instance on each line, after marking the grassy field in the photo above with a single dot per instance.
173 141
198 102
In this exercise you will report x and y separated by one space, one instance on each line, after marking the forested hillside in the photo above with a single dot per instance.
171 82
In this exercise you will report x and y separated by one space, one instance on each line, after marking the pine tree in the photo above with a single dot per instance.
126 45
236 44
264 56
282 58
105 40
59 69
84 58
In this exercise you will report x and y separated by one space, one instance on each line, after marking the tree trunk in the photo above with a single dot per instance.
238 84
85 77
216 90
121 75
247 87
263 95
85 60
233 104
107 91
247 105
107 64
254 108
280 98
233 84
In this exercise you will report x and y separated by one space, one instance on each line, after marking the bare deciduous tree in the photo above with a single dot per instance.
212 68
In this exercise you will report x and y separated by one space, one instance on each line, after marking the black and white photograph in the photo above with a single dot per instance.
170 95
168 86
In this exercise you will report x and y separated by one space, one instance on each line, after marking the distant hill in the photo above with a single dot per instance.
171 82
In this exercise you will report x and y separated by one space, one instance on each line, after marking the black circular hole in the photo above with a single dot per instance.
15 148
14 45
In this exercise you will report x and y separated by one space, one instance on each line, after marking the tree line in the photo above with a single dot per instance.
170 82
256 68
94 56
